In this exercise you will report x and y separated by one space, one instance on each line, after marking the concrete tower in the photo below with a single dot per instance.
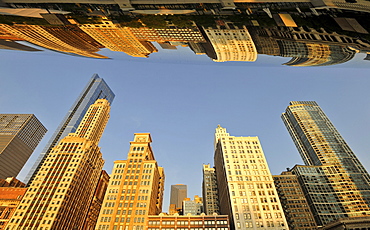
19 136
178 193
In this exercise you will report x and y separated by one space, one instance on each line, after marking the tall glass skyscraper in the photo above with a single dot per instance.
334 181
95 89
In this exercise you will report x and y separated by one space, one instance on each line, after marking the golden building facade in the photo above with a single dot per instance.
65 184
246 190
135 189
188 222
9 200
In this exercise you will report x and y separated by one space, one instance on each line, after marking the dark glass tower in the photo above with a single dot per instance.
334 180
95 89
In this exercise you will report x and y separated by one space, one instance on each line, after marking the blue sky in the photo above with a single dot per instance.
180 100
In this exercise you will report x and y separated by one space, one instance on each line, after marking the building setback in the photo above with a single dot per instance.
246 189
135 189
65 183
19 136
209 190
334 181
295 205
95 89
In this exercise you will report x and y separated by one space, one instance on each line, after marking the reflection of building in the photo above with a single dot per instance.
66 183
309 54
246 189
189 222
12 45
296 208
67 39
192 207
95 89
209 190
168 34
310 47
334 181
19 136
117 38
135 189
231 43
178 193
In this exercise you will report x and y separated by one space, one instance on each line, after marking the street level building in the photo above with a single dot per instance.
19 136
95 89
246 189
9 200
192 207
188 222
209 190
295 205
334 181
135 189
65 184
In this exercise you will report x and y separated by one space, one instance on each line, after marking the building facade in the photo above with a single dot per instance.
178 193
188 222
95 89
192 207
65 183
246 189
95 206
19 136
295 205
9 200
334 181
209 190
135 189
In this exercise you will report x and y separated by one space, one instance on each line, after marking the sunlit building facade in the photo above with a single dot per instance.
66 181
246 189
135 189
95 89
9 200
188 222
334 181
19 136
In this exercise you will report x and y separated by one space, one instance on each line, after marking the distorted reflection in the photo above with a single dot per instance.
310 32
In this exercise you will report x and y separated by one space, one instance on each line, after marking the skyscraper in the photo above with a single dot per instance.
334 181
209 190
59 197
95 89
135 189
178 193
246 188
19 136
